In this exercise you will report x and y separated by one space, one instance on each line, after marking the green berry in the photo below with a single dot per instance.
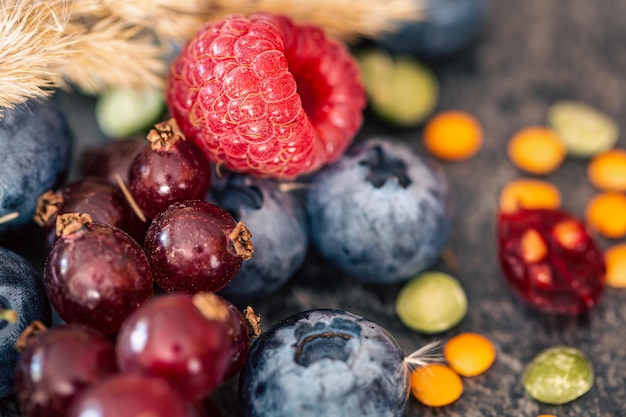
558 375
122 112
432 302
401 89
586 131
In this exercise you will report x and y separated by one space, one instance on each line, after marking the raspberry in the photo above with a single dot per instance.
265 96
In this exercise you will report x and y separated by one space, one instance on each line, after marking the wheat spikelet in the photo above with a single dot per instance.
27 28
92 44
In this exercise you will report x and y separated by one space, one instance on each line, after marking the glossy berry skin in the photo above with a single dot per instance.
129 395
103 201
448 27
110 159
58 365
324 363
278 221
21 290
190 249
381 213
35 141
239 340
265 96
566 274
97 276
170 337
163 174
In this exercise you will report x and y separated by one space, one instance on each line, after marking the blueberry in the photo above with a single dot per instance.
35 141
324 363
277 221
380 213
22 291
449 26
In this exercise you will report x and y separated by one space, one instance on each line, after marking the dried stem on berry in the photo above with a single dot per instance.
29 333
165 135
253 321
71 222
129 197
423 356
8 315
241 239
211 306
47 205
9 216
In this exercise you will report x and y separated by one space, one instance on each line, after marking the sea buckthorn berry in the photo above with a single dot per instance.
453 135
546 415
606 213
529 194
607 171
615 258
436 385
537 150
469 354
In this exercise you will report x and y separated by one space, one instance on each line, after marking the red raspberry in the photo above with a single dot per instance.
265 96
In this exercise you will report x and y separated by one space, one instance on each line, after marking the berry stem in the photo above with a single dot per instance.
129 197
241 239
71 222
253 321
47 205
211 306
9 217
165 135
29 333
422 356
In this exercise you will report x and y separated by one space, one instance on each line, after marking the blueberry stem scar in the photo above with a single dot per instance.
9 216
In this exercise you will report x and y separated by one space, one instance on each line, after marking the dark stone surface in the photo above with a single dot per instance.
531 54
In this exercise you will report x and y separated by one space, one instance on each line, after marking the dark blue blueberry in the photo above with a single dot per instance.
277 222
35 142
448 26
324 363
22 291
380 213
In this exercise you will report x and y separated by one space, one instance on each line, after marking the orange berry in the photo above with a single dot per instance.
453 135
537 150
615 258
607 171
530 194
569 234
469 354
546 415
606 213
436 385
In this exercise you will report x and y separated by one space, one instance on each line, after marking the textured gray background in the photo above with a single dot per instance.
530 54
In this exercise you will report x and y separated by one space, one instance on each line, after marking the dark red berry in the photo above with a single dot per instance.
129 395
168 169
181 338
549 259
104 203
196 246
242 323
95 274
111 159
59 364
